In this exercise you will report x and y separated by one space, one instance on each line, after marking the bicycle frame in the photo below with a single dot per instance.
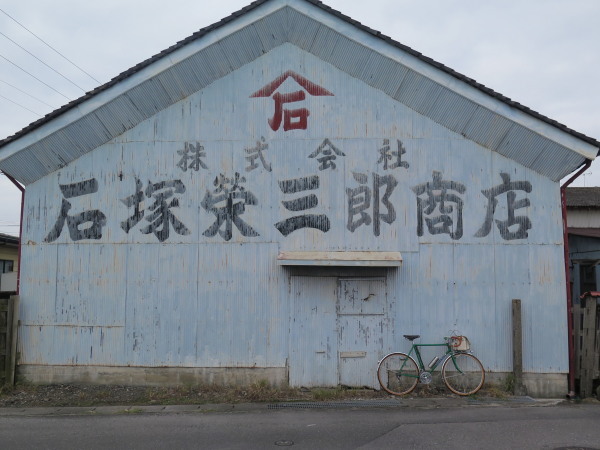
450 352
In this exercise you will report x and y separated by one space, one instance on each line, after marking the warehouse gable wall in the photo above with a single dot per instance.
203 298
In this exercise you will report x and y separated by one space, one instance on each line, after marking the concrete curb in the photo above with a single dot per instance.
419 403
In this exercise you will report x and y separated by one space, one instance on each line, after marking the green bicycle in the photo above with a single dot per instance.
462 373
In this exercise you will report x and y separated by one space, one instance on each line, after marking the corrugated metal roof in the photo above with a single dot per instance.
287 22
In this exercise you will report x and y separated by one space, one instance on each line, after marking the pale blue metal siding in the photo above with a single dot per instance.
197 300
200 298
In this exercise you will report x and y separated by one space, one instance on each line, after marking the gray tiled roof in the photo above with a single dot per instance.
583 197
8 239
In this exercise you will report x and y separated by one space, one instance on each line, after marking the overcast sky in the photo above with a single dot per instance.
541 53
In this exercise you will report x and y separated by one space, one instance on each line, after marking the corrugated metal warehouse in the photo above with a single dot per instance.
282 196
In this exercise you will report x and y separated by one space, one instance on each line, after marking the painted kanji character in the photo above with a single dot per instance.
194 154
316 221
232 199
74 222
387 154
288 114
159 215
523 223
329 153
255 153
359 202
440 206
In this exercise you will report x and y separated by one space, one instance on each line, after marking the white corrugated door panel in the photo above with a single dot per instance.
362 327
313 338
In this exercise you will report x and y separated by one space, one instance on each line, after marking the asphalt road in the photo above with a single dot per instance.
479 427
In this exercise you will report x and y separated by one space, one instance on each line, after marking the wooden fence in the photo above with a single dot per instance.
586 330
9 308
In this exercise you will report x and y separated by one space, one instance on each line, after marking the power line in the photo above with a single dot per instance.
29 95
18 104
31 75
51 68
39 38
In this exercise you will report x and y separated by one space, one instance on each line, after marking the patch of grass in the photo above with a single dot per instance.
509 383
492 390
324 394
429 390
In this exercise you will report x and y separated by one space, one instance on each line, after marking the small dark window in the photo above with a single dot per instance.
588 278
6 265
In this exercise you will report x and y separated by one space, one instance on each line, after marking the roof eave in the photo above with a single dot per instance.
146 71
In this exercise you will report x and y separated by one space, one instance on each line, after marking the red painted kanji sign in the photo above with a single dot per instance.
288 115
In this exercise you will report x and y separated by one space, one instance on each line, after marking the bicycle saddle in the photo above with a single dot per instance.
411 337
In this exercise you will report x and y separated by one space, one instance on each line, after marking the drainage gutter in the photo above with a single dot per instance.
563 202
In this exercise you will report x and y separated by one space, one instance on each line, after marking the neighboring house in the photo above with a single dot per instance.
583 214
282 196
9 262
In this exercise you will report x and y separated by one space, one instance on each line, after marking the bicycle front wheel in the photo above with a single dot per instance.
463 374
398 373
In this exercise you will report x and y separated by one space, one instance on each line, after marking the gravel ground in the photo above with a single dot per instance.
95 395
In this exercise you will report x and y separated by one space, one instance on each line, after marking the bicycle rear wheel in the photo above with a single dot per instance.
463 374
398 373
